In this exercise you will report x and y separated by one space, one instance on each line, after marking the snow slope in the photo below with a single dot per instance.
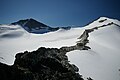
9 46
101 62
11 31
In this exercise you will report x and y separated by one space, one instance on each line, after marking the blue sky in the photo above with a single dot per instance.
58 12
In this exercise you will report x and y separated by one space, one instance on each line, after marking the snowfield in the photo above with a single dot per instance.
101 62
11 44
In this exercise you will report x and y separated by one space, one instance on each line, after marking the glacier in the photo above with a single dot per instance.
100 62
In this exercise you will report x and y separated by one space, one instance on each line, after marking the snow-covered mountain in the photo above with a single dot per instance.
101 62
23 27
33 26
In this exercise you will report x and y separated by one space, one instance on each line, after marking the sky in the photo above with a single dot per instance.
58 12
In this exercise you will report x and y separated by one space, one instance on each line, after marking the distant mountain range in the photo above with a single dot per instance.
33 26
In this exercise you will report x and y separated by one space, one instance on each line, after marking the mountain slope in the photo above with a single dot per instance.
24 27
101 62
33 26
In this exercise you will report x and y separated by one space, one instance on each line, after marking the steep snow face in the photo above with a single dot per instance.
102 61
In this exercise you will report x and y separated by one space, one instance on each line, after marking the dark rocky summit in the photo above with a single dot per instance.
33 26
42 64
30 23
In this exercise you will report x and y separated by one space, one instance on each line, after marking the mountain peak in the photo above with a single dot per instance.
31 25
32 19
29 22
106 20
103 17
102 21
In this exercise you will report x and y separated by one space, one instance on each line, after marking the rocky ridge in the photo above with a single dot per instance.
42 64
83 39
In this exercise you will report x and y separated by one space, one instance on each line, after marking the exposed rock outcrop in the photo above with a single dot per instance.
83 39
42 64
81 44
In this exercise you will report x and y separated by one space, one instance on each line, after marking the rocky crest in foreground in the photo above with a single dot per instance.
42 64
